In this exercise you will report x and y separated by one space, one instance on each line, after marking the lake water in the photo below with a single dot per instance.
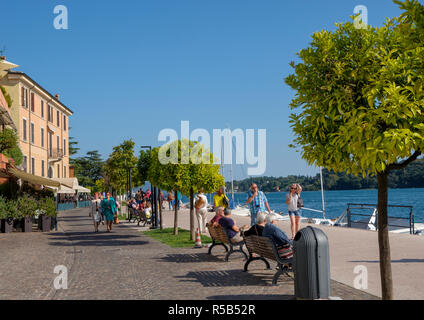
336 202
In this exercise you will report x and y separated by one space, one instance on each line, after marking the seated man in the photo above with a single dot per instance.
230 228
219 214
282 242
258 228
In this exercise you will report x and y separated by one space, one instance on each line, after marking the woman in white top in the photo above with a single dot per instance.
294 212
201 205
96 212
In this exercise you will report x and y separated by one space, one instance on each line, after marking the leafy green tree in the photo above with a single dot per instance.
6 96
199 175
362 106
88 169
187 178
116 165
143 165
9 145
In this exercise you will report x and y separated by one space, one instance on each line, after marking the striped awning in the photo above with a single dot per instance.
28 177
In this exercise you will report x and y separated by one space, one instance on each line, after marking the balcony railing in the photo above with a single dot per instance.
56 153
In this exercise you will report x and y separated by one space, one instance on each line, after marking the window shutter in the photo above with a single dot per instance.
32 101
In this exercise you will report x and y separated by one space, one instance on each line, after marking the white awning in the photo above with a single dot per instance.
63 190
81 189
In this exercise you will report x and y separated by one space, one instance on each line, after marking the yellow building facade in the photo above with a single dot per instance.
42 123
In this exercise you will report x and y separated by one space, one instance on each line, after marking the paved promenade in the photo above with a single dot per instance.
127 265
352 247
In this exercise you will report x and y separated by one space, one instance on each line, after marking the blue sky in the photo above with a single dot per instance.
129 69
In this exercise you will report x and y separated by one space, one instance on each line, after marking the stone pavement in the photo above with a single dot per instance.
350 248
125 264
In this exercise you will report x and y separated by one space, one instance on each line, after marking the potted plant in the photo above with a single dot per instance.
27 206
6 221
47 209
13 214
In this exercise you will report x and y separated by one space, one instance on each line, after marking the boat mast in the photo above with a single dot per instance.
322 193
231 166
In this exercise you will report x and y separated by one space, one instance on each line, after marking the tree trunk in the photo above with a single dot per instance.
192 232
175 213
383 238
160 214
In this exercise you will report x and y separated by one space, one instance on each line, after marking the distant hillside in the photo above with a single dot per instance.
410 177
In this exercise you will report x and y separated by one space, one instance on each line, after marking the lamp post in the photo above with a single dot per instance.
153 195
129 184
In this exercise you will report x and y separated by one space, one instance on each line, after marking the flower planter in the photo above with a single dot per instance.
6 225
53 224
45 223
27 224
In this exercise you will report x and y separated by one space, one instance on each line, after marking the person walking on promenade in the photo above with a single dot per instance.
258 202
161 200
201 204
170 200
102 214
96 211
147 195
109 208
220 199
294 212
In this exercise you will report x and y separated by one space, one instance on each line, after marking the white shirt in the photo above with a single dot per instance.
205 204
293 202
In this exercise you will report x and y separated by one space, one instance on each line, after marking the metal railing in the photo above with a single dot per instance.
55 153
393 221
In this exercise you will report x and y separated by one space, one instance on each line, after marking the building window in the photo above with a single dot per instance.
50 142
50 172
58 118
50 113
25 163
24 129
42 137
58 170
32 133
32 102
57 140
64 172
24 97
42 109
64 122
32 165
64 147
42 168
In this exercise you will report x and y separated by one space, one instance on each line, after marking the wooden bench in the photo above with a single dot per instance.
264 248
220 238
139 216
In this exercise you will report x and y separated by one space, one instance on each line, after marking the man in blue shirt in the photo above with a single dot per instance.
258 203
272 231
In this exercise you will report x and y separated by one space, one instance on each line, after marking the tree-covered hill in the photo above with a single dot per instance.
410 177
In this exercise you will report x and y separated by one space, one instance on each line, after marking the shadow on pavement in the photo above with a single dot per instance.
190 258
94 239
228 278
101 243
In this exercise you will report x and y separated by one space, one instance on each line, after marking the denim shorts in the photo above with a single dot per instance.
295 213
